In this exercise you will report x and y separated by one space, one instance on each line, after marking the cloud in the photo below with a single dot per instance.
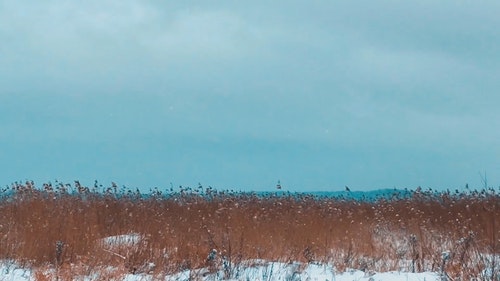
124 31
341 76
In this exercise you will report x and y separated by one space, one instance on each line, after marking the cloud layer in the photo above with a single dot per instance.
319 94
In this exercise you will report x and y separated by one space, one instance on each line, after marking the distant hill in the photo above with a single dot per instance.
387 193
372 195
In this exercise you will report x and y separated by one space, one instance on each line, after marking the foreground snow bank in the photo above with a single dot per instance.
276 271
11 271
249 270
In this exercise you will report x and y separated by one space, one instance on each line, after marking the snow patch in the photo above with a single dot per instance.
131 239
254 270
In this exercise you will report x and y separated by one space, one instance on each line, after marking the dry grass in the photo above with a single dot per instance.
179 230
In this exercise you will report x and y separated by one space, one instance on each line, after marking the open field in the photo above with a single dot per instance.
73 230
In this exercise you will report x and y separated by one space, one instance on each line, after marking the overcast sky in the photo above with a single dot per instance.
241 94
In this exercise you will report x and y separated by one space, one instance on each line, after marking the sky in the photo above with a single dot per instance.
240 94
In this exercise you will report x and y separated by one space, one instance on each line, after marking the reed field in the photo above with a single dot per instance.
75 229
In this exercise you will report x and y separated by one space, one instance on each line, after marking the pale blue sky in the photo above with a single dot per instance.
237 94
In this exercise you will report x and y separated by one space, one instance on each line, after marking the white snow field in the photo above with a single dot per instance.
275 271
249 270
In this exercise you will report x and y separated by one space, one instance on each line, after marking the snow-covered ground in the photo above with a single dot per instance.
10 271
251 270
275 271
